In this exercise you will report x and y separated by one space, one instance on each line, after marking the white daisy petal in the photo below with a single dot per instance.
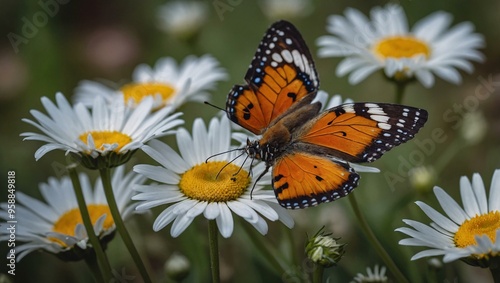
212 211
260 225
480 193
437 217
450 206
471 206
180 224
494 199
225 221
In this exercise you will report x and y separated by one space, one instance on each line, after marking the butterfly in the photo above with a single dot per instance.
310 150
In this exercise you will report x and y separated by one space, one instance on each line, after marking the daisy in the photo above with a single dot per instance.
55 224
471 233
385 42
182 19
377 275
108 131
168 83
216 188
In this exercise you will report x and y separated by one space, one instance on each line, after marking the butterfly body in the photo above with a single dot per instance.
310 150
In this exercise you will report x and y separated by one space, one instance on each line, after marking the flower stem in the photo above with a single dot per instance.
318 273
120 226
448 154
214 250
495 272
268 252
102 260
93 265
400 91
374 241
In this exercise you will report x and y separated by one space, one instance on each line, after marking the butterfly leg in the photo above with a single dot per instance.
260 177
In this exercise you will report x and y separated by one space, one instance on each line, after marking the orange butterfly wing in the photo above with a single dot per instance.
281 74
301 180
361 132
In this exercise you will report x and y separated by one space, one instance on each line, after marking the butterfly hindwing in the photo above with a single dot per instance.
362 132
301 180
281 74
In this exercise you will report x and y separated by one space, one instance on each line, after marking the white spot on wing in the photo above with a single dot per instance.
379 118
297 58
276 57
376 110
371 105
287 56
348 109
384 126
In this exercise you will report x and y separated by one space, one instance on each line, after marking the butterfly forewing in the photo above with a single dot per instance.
301 180
362 132
281 74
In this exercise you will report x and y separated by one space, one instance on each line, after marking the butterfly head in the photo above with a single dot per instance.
259 151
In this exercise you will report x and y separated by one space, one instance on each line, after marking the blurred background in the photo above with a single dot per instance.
106 40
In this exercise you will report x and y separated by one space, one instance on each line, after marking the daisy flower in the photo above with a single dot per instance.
108 131
182 19
471 233
216 188
55 224
168 83
375 276
385 42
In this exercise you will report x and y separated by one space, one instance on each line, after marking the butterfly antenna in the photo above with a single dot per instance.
244 161
223 167
224 152
215 106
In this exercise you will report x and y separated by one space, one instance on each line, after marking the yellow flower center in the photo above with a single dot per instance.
137 91
66 224
486 224
202 183
401 47
107 137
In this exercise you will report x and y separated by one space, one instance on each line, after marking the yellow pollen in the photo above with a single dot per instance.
401 47
107 137
66 224
485 224
137 91
200 182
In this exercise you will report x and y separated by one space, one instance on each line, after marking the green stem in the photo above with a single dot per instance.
120 226
495 272
102 260
293 251
450 152
268 252
214 250
400 90
93 265
376 244
318 273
